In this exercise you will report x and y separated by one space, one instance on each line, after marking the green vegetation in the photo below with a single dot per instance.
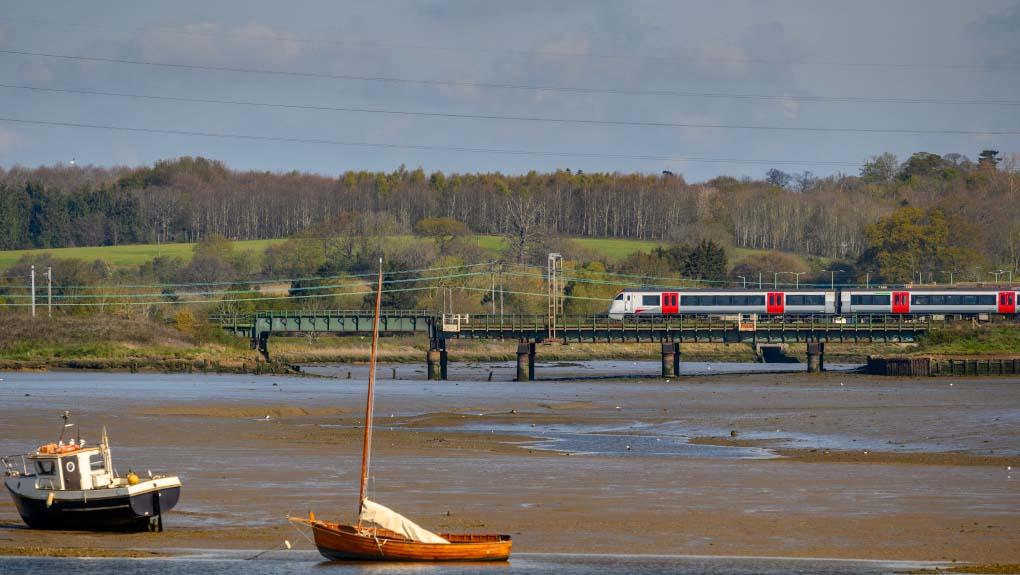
127 255
971 340
612 249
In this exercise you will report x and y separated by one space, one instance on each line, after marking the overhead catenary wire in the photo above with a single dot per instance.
465 149
267 280
297 297
319 287
502 85
496 117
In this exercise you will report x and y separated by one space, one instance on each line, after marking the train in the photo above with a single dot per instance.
658 303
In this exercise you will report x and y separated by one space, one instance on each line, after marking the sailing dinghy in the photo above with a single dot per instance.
382 534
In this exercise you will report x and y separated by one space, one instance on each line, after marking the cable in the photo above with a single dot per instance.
503 151
530 53
535 119
297 297
468 84
262 281
244 291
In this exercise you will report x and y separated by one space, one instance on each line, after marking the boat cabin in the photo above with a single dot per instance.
70 467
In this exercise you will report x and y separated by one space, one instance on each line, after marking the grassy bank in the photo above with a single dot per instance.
329 349
136 344
132 344
115 343
971 340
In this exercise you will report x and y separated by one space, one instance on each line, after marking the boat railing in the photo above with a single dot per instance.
10 463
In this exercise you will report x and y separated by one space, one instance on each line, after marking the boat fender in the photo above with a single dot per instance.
49 500
132 478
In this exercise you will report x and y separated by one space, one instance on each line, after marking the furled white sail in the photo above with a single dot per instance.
384 517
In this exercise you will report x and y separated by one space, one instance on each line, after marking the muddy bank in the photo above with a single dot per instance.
865 456
459 456
253 366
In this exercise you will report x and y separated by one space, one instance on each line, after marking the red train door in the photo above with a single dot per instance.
901 302
775 303
670 303
1007 302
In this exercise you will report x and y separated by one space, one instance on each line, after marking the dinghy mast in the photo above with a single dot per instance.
366 447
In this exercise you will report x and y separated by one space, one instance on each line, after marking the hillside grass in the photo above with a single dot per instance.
613 249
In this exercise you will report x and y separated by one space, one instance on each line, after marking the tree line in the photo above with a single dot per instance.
835 217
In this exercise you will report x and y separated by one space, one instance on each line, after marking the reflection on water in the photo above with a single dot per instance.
522 564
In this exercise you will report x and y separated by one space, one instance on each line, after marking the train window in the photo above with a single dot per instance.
919 300
758 300
619 297
969 299
650 300
794 300
953 300
938 300
869 300
986 300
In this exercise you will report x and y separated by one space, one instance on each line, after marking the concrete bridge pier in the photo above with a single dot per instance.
436 360
815 356
671 359
526 361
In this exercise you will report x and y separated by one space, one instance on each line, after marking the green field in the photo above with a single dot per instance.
136 254
613 249
127 255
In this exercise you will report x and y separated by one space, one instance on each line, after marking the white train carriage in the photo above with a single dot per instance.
929 301
637 303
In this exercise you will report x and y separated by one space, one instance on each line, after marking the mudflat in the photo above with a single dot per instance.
781 464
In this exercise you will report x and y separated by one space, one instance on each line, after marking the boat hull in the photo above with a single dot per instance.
343 543
94 510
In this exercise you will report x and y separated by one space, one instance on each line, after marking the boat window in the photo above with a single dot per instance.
44 467
96 462
650 300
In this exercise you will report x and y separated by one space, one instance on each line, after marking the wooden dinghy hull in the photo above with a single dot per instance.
338 542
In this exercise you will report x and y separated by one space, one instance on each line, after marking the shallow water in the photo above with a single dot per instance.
296 562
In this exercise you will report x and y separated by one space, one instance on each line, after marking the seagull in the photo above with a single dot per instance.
267 418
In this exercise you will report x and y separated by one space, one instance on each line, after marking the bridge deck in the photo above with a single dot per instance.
582 329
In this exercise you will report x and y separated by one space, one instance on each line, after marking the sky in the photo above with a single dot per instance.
697 88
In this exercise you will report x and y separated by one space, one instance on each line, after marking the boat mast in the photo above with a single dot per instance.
369 404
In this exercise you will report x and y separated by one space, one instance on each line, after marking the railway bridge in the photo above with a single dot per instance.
529 330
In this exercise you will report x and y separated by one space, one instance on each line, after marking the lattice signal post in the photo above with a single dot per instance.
555 290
